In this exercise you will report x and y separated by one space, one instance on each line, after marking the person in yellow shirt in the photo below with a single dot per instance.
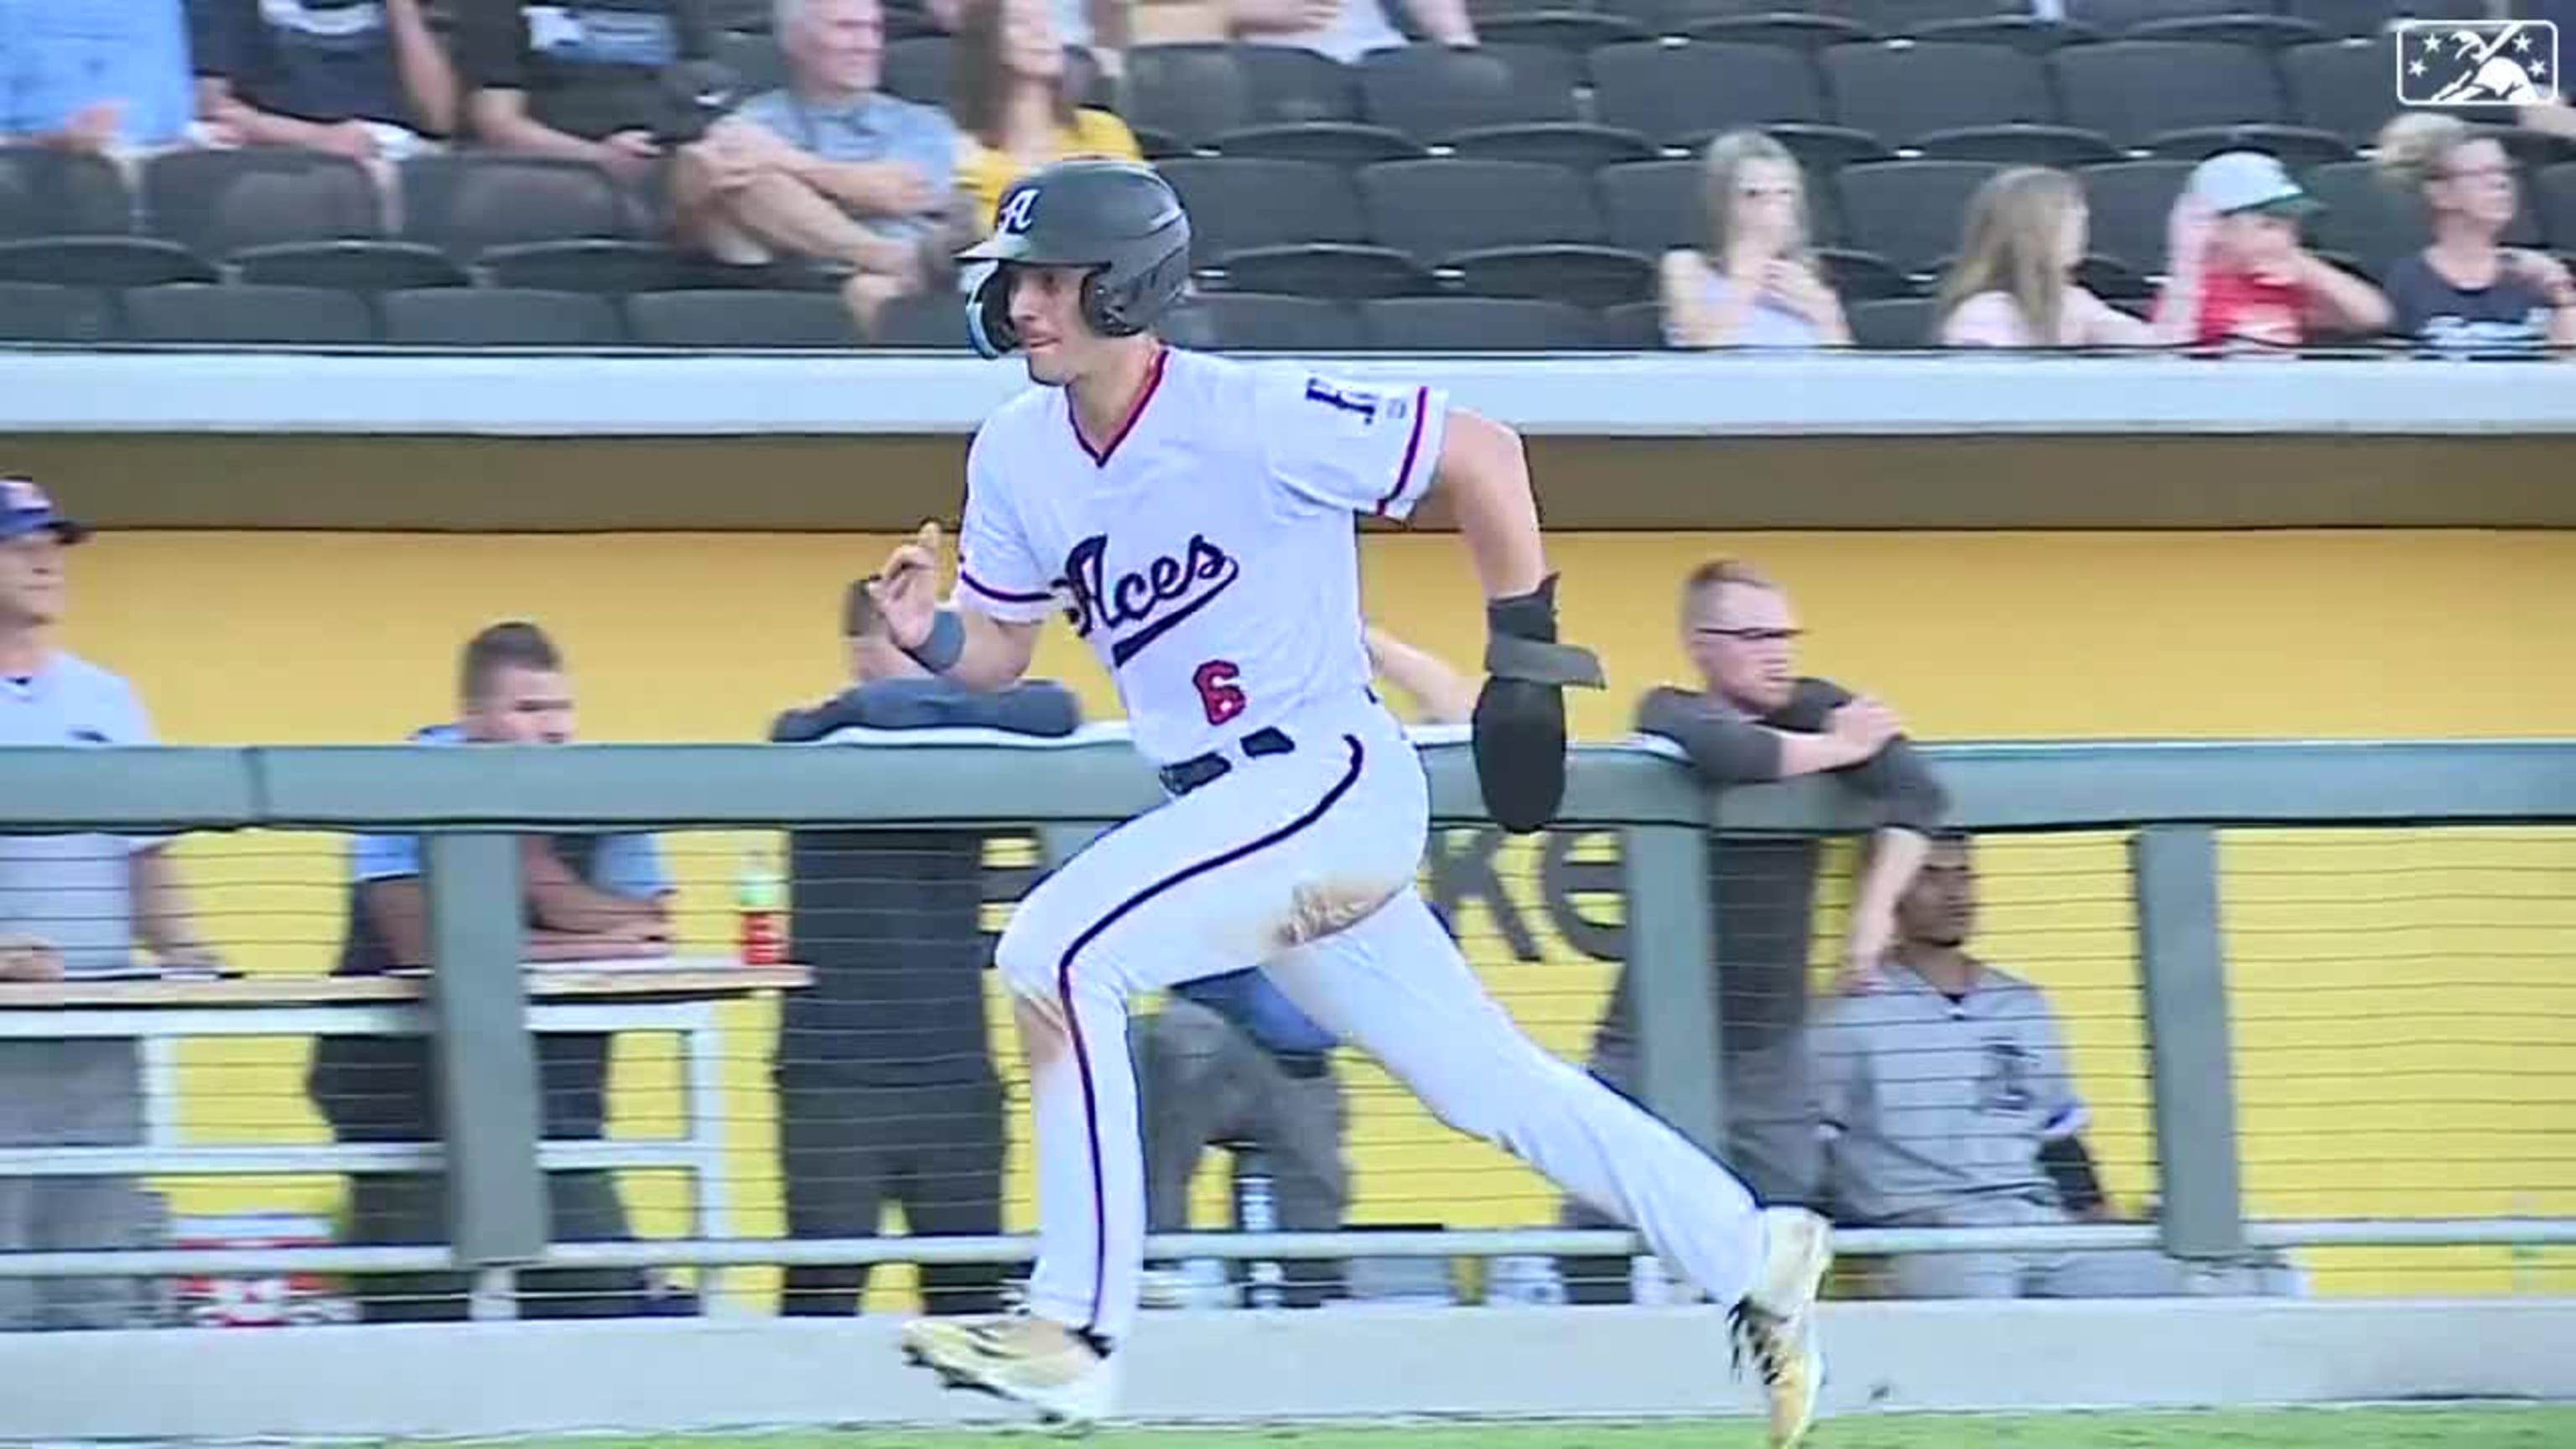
1014 101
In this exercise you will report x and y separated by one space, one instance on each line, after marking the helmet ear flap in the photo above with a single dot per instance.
988 315
1107 314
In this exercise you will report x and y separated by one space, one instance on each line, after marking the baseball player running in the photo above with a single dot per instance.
1193 518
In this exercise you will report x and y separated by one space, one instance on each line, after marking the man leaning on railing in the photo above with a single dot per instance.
1755 719
887 1090
72 906
589 898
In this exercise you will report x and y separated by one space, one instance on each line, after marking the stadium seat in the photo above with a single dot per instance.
1891 18
1510 228
2117 18
1254 322
1675 94
1578 144
1556 27
41 312
2018 32
1287 226
1478 324
1189 93
499 317
1430 92
217 203
244 314
1636 326
2371 17
1859 276
101 261
755 61
2131 204
1654 206
1957 100
728 319
2187 99
1781 26
1894 324
1909 212
2242 25
740 15
349 266
467 202
593 265
920 69
1288 83
2343 86
932 321
2554 199
47 191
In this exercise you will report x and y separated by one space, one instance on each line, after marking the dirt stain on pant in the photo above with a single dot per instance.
1322 908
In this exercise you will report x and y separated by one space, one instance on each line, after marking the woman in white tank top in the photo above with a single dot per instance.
1757 283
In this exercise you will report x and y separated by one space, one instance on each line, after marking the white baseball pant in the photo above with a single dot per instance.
1305 863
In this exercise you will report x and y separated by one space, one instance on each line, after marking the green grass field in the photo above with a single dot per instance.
2500 1427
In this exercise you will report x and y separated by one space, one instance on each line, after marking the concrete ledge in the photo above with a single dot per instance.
668 1375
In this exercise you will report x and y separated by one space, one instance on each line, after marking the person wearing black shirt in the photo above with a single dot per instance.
365 79
591 80
2467 294
886 1085
1753 720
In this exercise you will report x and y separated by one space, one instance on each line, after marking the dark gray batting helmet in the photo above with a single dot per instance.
1117 219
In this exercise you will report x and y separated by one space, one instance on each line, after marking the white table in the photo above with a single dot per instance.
677 995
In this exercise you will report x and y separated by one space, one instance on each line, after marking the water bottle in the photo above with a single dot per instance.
760 902
1260 1214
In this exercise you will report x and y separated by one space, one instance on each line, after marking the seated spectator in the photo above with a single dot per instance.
589 898
1751 719
1346 30
366 79
829 168
1946 1100
2237 273
1100 30
73 906
887 1090
1757 285
108 77
1014 101
2467 294
2014 283
597 81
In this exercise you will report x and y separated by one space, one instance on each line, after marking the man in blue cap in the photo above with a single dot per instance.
72 906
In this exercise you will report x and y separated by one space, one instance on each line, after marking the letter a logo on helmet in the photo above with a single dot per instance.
1018 209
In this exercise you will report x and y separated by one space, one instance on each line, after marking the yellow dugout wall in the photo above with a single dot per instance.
2404 1006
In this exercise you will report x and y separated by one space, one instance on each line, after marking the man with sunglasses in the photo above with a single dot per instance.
1755 719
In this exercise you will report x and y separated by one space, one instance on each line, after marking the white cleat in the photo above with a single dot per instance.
1775 1323
1030 1361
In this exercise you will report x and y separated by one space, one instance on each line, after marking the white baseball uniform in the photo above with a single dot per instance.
1209 554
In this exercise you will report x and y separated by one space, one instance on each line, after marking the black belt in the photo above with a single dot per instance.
1206 769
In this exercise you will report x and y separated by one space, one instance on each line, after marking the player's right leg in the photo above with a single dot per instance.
1396 986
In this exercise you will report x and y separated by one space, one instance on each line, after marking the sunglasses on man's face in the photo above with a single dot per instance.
1749 636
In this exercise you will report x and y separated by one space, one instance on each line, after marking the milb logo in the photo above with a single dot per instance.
2448 63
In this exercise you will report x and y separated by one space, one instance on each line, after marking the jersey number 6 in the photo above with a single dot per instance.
1218 695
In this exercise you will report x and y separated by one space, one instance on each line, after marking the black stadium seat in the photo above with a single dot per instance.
2130 206
353 266
1189 93
2371 17
41 312
1908 212
1957 100
499 317
219 202
1478 324
2554 198
1897 324
934 321
245 314
730 319
1638 326
1676 94
2185 98
1655 206
591 265
1254 322
1430 92
467 202
101 261
47 191
1510 228
1291 227
919 69
2343 86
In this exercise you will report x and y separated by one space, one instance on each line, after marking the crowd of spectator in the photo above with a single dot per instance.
763 138
1918 1086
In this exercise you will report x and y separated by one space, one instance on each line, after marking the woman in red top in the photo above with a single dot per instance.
2237 273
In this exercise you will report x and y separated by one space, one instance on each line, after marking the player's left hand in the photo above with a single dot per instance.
1519 719
906 590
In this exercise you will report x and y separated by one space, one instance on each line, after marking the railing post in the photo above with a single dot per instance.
2183 963
487 1058
1665 875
